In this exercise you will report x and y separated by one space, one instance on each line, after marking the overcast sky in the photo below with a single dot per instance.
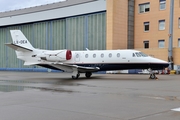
7 5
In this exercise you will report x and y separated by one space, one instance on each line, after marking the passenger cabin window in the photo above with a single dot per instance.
77 55
94 55
118 54
86 55
102 55
110 54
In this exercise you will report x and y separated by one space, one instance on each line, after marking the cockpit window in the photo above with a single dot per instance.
143 54
133 55
139 54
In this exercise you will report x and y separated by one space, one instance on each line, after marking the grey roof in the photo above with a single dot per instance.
44 7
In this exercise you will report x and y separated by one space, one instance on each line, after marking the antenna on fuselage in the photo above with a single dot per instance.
87 49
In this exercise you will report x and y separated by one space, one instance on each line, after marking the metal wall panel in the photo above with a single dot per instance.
3 48
58 34
74 33
97 31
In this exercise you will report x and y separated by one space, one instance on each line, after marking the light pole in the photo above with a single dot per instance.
170 47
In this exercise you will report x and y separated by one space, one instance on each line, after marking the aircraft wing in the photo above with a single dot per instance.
70 68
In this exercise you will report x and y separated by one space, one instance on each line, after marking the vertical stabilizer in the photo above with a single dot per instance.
20 40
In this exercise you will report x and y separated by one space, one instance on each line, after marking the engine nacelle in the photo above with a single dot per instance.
56 56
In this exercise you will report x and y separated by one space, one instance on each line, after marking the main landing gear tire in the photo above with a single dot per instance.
75 77
88 74
153 76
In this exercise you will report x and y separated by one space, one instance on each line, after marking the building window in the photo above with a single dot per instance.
161 24
179 22
146 44
144 7
162 4
146 26
161 43
179 42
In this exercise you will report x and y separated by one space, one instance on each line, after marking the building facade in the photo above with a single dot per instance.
151 30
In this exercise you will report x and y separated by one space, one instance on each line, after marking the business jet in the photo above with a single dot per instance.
87 61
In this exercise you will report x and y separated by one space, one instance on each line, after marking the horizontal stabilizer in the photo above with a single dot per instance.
18 48
31 63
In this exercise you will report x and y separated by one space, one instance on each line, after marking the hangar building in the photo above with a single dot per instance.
72 24
92 24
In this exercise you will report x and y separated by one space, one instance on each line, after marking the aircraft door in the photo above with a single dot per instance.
77 57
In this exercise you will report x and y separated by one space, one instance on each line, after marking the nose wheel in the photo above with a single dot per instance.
152 75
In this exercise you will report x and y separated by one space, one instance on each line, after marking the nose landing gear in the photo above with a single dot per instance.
152 74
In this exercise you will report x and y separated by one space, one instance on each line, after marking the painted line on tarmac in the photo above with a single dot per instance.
176 109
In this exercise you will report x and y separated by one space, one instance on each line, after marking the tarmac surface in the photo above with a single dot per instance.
55 96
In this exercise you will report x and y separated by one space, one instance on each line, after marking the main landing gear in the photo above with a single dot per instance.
88 74
76 75
152 74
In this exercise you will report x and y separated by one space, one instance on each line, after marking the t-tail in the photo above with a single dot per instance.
20 42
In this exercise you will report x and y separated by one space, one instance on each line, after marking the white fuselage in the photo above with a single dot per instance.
114 58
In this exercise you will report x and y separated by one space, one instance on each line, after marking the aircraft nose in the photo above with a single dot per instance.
165 64
159 64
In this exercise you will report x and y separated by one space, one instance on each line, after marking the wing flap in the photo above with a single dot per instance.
70 68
